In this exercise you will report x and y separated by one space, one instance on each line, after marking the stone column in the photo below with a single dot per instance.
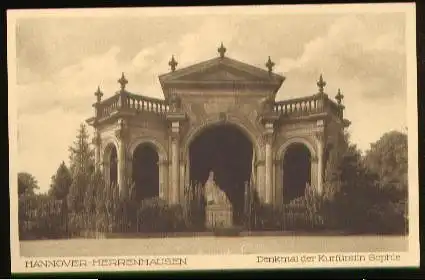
122 135
163 175
260 180
278 184
268 170
320 146
97 146
268 139
175 164
182 176
269 118
175 117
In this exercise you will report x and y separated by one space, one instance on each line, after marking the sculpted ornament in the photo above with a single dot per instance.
267 104
175 103
269 138
123 132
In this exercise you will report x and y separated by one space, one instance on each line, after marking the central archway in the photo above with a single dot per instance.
227 151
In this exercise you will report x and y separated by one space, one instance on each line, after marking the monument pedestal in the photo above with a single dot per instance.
219 216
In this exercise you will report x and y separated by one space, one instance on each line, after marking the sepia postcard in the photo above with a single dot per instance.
195 138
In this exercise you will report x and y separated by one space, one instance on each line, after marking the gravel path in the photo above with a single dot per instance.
210 245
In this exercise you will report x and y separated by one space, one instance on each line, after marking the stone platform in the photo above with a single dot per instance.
219 216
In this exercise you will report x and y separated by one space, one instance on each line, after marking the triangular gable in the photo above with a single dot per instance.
221 69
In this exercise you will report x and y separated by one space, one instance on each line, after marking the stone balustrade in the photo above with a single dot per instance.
131 102
298 107
306 106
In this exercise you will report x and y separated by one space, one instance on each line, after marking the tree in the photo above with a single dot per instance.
82 169
27 184
81 154
349 188
387 157
359 200
61 182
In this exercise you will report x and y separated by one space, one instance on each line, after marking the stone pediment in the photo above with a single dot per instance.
221 71
220 74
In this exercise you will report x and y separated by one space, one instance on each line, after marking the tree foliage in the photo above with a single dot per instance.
387 157
61 182
82 170
27 184
81 154
356 199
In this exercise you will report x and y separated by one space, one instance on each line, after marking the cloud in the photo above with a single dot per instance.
355 48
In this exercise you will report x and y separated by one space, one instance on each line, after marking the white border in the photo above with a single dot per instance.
410 258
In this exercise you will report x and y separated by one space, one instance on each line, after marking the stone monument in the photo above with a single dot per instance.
219 210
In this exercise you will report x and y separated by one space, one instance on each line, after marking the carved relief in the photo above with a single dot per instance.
217 105
175 103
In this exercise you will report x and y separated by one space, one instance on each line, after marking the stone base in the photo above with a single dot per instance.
219 216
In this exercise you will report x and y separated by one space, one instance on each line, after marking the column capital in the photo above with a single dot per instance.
175 136
320 136
269 138
259 162
163 162
176 116
122 132
97 140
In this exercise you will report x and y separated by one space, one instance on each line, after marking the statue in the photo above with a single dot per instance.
213 194
219 209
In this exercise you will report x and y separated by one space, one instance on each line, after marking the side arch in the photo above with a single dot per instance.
110 160
162 164
280 153
311 146
162 154
106 143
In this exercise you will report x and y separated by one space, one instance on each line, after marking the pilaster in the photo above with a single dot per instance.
122 134
175 117
163 179
268 178
268 119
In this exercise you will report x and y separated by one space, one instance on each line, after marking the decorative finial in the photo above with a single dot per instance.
98 94
173 63
221 50
270 64
339 97
321 84
123 82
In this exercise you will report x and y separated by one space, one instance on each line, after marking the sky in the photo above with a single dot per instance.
60 62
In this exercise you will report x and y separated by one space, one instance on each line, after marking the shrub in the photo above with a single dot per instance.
155 215
303 213
41 217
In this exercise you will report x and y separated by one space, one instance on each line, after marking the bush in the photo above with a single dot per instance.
155 215
303 213
41 217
